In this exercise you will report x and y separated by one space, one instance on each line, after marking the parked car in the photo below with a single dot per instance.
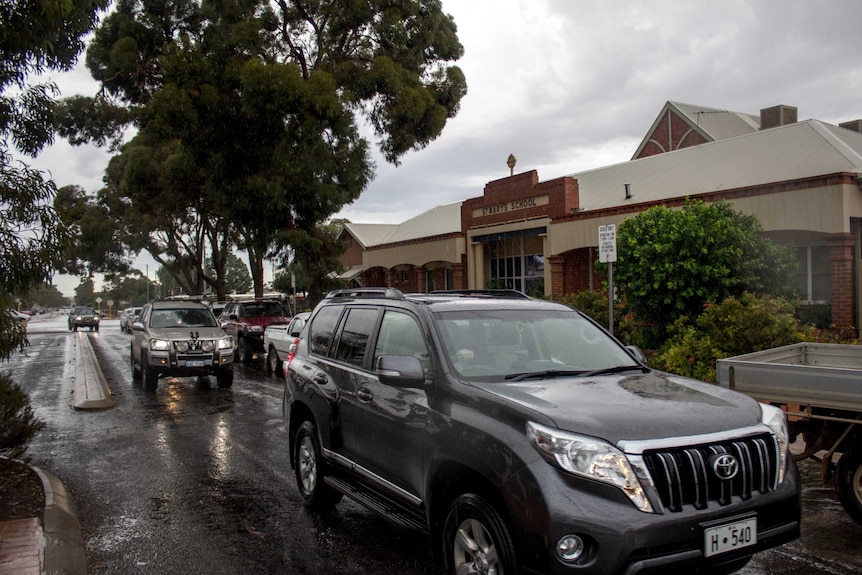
522 437
280 341
84 316
130 315
246 319
180 338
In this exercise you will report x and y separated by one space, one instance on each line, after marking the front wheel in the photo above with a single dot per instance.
150 377
136 371
273 363
849 482
244 351
224 378
476 538
309 470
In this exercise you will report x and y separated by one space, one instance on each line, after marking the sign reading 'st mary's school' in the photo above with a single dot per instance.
608 243
512 206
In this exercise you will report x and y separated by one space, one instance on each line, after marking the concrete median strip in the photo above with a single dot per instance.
91 388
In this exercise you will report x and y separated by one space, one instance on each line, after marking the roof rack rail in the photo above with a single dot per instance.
380 292
510 293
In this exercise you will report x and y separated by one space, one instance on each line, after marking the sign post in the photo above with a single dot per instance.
608 255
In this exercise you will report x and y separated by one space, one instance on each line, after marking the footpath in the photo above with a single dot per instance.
53 543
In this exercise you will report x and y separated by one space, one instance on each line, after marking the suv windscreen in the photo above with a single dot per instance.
263 309
181 317
504 344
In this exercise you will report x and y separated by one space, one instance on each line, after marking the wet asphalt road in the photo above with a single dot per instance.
193 479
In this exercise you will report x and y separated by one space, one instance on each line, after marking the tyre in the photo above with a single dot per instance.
476 538
136 371
150 377
75 327
243 351
273 363
224 378
309 470
96 328
849 482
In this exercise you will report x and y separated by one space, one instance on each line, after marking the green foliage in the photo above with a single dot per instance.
85 292
45 296
18 424
819 314
248 117
312 256
94 244
129 291
36 36
592 303
671 262
237 276
733 327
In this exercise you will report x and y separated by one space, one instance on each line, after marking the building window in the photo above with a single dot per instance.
812 273
516 263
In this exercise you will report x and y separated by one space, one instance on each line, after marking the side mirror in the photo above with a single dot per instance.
400 371
138 326
636 352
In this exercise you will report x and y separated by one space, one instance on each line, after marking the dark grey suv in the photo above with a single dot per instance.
180 338
524 438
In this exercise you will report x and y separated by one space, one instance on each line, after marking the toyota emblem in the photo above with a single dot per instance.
724 465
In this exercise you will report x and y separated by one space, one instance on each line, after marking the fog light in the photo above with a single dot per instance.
570 548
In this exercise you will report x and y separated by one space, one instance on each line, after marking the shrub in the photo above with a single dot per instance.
733 327
18 424
672 261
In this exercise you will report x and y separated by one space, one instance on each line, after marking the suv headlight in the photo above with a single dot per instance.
225 343
775 420
589 457
160 344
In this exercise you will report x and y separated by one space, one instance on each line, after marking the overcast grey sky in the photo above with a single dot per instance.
570 85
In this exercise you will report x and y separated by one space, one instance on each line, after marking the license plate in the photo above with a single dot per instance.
730 536
195 363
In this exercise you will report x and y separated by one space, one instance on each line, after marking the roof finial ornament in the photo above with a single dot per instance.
511 163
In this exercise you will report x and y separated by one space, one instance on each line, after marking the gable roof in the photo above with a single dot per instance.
437 221
369 234
794 151
711 123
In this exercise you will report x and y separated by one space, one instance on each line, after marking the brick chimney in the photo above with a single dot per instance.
777 116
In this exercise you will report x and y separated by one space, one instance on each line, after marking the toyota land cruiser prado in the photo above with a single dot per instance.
522 437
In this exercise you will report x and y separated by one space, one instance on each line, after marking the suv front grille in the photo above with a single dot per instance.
686 475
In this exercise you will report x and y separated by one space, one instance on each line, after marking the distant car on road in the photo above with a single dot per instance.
84 316
280 342
180 338
130 316
246 319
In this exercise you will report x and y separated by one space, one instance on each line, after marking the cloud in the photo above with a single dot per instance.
569 86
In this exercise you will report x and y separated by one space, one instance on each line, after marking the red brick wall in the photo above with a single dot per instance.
562 199
679 134
841 248
353 255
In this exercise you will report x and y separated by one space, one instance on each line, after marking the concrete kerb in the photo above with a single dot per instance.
91 389
64 545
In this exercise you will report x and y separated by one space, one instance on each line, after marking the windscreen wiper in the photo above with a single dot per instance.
545 373
614 369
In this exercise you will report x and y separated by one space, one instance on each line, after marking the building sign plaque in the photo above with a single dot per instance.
512 206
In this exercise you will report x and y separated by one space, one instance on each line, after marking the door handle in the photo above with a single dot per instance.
364 395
